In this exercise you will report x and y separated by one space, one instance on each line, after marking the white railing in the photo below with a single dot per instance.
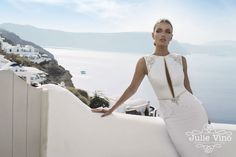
23 118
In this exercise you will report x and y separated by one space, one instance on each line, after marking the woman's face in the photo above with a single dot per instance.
162 34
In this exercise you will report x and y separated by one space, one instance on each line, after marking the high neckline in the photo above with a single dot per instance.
162 56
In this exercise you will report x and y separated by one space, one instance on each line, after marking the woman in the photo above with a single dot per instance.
167 73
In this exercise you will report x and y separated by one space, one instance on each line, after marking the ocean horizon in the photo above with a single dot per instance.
211 77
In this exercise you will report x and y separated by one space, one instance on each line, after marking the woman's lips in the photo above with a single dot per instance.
162 40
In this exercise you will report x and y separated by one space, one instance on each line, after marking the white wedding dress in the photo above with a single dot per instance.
182 111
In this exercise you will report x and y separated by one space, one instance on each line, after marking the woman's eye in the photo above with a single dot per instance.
158 30
168 31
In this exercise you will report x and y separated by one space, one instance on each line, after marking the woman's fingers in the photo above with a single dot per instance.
96 110
105 114
99 110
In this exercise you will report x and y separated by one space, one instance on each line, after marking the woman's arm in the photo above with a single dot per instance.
186 80
140 72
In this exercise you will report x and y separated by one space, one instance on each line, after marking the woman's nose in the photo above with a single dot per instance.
163 34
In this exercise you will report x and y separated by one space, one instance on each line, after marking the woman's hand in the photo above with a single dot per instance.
105 112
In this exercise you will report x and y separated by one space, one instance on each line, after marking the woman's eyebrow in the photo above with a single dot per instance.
168 29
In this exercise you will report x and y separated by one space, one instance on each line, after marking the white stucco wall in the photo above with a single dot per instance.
23 117
52 122
75 131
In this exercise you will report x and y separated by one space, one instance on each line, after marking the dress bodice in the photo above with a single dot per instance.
157 74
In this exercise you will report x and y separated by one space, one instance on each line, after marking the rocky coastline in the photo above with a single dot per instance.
56 74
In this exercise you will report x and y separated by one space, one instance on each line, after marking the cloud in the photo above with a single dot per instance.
193 22
104 8
23 2
100 8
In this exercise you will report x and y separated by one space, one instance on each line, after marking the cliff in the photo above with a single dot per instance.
56 73
14 39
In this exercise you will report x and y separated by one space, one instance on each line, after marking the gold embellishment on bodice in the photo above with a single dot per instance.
177 58
150 61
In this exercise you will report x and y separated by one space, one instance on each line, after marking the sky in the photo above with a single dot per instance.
194 21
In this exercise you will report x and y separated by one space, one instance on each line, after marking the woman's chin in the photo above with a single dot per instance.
162 44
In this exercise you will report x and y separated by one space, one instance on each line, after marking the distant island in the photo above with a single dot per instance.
127 42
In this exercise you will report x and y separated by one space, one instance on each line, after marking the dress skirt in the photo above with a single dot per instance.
184 115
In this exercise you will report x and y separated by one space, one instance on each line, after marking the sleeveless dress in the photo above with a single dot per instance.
181 110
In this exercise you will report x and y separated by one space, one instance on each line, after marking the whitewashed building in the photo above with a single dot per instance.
30 74
3 61
27 51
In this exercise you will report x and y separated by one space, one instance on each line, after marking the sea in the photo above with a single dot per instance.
212 77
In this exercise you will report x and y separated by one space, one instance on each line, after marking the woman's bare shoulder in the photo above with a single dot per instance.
142 64
184 59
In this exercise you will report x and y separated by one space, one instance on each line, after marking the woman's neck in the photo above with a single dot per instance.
161 50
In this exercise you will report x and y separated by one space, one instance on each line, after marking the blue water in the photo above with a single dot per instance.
212 78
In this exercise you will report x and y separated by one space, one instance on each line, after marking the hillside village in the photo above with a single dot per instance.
34 64
30 61
30 74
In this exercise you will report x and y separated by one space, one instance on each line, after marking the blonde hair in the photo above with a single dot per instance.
162 21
